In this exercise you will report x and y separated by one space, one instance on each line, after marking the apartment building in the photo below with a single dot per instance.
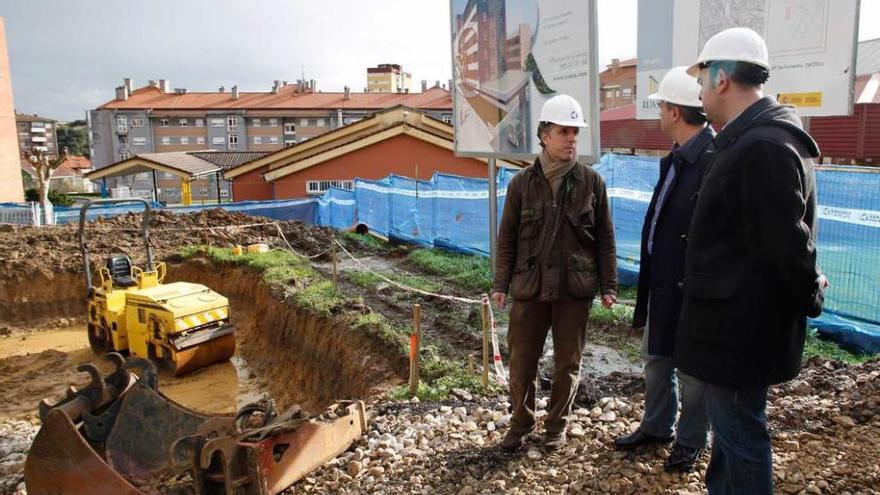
36 133
617 84
157 119
388 78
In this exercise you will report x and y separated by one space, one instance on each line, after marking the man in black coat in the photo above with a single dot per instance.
661 272
750 267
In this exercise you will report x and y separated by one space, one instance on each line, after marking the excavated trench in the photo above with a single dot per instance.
283 351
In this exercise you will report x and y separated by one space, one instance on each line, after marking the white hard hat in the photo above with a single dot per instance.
563 110
678 87
735 44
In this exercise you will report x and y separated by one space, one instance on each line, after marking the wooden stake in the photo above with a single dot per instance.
335 276
471 364
415 342
485 317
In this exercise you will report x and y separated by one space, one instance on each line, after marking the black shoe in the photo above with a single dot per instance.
638 439
513 441
555 441
682 458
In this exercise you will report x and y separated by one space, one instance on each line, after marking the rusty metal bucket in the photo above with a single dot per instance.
120 435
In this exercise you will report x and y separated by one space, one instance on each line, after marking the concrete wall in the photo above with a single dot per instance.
11 189
398 155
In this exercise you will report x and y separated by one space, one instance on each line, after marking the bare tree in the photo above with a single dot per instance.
45 166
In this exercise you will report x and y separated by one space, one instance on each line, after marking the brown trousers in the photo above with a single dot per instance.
529 323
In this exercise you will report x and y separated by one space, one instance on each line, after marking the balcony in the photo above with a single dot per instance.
38 129
38 139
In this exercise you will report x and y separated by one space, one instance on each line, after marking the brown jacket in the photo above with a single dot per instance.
550 250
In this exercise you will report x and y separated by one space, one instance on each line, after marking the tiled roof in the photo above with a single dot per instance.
181 160
63 170
868 57
78 162
228 159
149 97
24 117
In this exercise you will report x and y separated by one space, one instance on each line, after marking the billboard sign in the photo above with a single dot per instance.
511 56
812 47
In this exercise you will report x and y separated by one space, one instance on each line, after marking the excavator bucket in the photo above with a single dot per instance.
120 435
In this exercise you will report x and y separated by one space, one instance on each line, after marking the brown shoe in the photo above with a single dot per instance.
513 441
556 440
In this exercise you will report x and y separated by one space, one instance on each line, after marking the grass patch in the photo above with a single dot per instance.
277 266
816 346
365 241
466 271
371 281
439 375
619 314
322 298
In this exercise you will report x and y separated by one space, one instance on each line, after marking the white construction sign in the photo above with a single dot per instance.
811 43
511 56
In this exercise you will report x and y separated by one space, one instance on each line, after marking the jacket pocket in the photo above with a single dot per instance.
581 277
526 281
712 311
582 223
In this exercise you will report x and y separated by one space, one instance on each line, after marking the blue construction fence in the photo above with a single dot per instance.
451 212
304 210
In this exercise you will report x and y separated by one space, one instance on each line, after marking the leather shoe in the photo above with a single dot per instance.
638 439
682 458
555 440
513 441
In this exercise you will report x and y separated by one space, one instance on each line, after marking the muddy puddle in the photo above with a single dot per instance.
42 363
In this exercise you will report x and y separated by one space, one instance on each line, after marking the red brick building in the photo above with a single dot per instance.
617 84
400 140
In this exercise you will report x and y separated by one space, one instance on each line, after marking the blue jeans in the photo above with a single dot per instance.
742 462
661 403
662 389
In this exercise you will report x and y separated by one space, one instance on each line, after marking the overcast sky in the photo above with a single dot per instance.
67 56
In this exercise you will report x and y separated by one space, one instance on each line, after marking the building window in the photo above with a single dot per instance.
289 142
123 139
48 125
182 123
124 155
163 123
256 122
137 122
166 140
231 123
216 122
200 139
139 141
313 123
273 139
303 122
233 141
122 123
200 122
258 140
273 122
447 118
290 128
184 140
217 140
22 126
319 186
320 123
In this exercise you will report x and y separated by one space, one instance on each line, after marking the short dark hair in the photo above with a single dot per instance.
691 115
743 73
543 128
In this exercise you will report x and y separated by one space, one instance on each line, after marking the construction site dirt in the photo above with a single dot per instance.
824 424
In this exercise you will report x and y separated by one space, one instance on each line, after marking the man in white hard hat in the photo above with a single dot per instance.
555 253
750 268
661 273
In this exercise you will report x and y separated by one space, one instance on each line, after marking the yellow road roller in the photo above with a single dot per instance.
181 325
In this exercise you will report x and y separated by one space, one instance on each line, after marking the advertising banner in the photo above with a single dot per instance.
511 56
811 45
